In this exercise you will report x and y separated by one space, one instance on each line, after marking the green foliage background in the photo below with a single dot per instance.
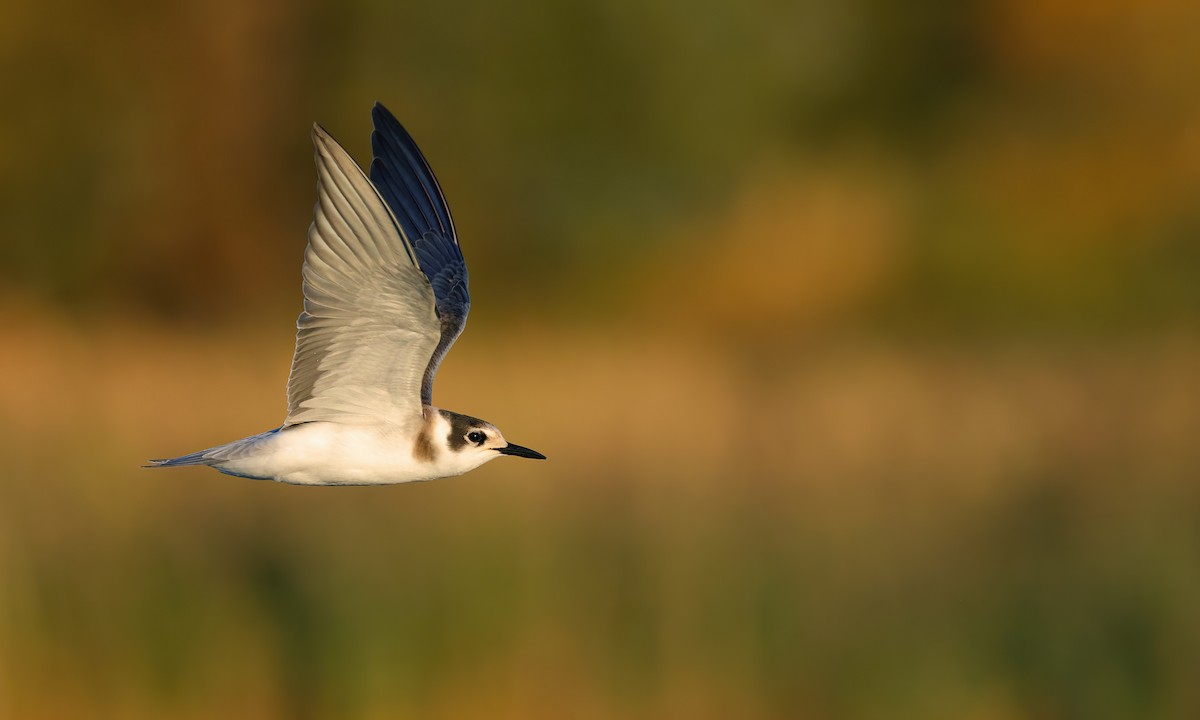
860 335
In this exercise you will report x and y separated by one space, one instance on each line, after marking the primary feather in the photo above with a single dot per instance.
408 186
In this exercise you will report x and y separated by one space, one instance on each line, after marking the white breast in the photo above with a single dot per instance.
323 453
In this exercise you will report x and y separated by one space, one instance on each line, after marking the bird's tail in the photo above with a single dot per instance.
213 456
203 457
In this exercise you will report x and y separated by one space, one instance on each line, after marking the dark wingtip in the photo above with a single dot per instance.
380 113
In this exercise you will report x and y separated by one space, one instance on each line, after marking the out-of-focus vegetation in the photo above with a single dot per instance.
861 337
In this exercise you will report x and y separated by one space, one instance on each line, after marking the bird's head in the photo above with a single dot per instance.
471 442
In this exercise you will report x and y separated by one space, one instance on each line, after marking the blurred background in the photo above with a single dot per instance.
861 336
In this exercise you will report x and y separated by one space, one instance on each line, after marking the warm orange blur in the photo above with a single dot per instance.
861 338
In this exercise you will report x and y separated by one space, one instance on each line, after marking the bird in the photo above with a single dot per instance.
385 297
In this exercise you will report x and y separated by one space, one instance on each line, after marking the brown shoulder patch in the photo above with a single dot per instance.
423 449
423 446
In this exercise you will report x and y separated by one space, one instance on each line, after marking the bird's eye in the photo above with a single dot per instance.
476 437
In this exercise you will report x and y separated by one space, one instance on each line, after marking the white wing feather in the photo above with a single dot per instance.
369 325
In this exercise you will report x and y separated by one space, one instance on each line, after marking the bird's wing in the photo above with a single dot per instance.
369 325
404 180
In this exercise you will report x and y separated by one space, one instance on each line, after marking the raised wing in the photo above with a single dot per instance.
404 180
369 325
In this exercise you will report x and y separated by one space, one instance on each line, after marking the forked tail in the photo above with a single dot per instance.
197 458
213 456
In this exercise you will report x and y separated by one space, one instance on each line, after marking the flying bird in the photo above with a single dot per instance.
385 296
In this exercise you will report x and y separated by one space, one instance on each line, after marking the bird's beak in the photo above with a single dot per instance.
519 451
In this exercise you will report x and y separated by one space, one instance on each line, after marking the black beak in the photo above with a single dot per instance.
519 451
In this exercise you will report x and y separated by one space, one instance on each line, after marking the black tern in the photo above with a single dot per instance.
385 296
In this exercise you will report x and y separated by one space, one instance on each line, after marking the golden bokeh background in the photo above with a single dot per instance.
861 337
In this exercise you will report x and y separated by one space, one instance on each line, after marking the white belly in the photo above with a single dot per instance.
321 453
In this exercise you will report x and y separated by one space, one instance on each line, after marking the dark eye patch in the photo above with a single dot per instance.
476 437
